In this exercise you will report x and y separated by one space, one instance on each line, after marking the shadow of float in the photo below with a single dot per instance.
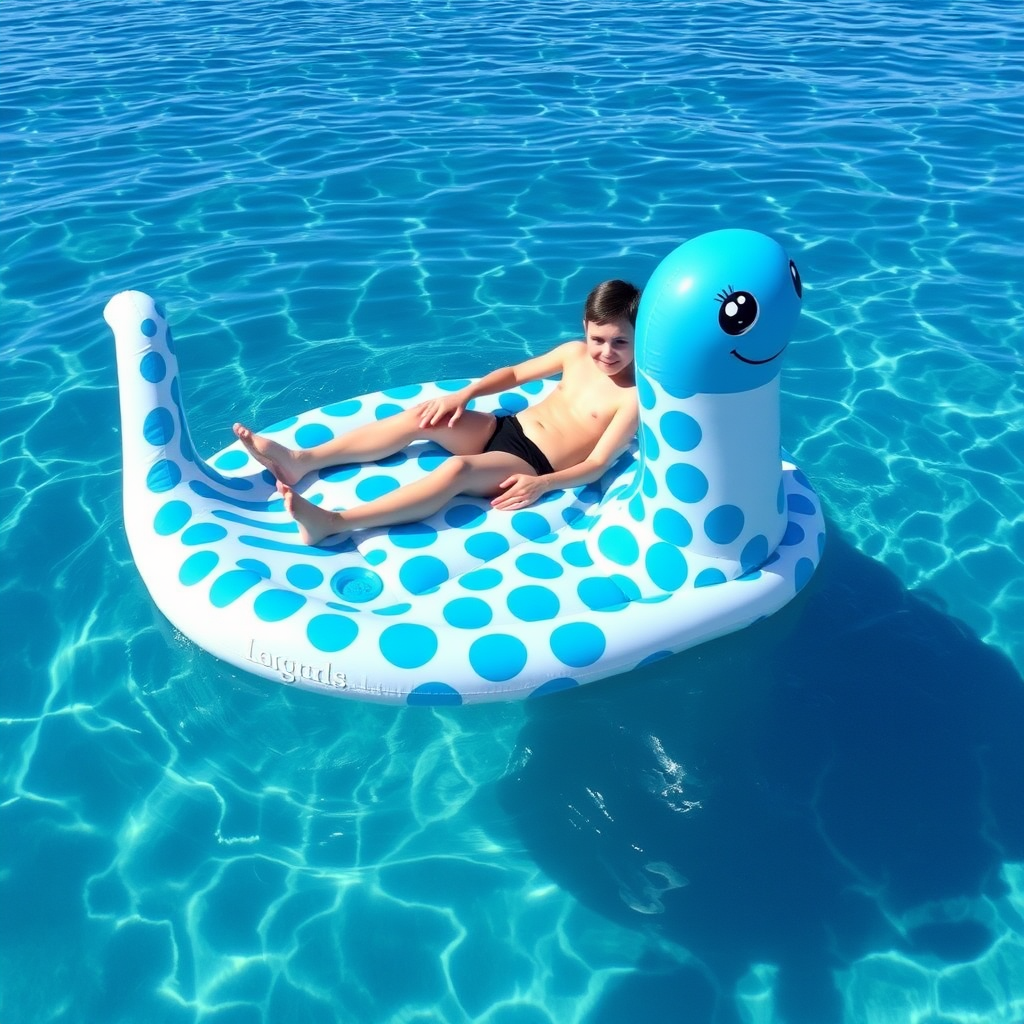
785 801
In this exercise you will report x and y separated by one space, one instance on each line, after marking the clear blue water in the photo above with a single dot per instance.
817 821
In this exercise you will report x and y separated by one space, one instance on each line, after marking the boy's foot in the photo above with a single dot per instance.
314 523
283 462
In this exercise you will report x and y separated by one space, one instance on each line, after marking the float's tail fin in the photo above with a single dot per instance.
157 446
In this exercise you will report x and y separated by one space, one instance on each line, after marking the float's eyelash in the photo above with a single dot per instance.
725 293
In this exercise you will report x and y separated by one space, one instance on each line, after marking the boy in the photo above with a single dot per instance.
569 438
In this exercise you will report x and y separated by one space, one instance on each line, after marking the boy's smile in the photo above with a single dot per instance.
610 345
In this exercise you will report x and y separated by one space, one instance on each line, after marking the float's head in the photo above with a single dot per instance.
717 314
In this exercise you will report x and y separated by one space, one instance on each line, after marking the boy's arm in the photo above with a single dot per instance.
451 406
612 443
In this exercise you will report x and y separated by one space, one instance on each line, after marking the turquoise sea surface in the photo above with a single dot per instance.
817 821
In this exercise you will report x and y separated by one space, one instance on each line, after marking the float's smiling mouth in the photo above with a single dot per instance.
757 362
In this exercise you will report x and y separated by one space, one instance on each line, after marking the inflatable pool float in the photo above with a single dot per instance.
702 528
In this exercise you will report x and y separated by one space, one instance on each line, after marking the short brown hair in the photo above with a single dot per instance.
612 300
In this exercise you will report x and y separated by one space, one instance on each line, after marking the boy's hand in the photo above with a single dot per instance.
445 410
518 491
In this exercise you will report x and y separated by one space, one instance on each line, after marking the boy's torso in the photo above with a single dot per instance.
568 423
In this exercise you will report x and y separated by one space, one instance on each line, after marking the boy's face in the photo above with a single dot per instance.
609 345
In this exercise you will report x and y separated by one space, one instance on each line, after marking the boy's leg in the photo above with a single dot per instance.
367 443
480 475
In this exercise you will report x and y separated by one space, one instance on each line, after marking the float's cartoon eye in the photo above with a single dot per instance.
795 274
738 313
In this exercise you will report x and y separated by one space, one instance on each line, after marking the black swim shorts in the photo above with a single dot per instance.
508 437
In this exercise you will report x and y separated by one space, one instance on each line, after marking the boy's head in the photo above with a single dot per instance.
612 300
609 318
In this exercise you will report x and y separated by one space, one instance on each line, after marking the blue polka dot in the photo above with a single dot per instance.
755 551
724 524
540 567
599 593
347 408
275 605
376 557
644 391
512 403
231 586
462 517
338 474
197 567
572 516
821 544
532 603
794 535
802 480
452 385
163 476
234 459
467 613
434 695
431 459
780 498
530 525
480 579
497 657
680 431
578 644
800 504
331 633
672 526
386 409
375 487
649 442
312 434
422 573
394 459
687 483
408 645
577 555
412 535
709 578
637 509
148 327
203 533
648 484
404 391
802 572
305 577
666 566
627 585
153 367
486 546
554 686
255 565
619 545
172 517
159 427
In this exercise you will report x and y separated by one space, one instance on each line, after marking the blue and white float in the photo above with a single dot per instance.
702 528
